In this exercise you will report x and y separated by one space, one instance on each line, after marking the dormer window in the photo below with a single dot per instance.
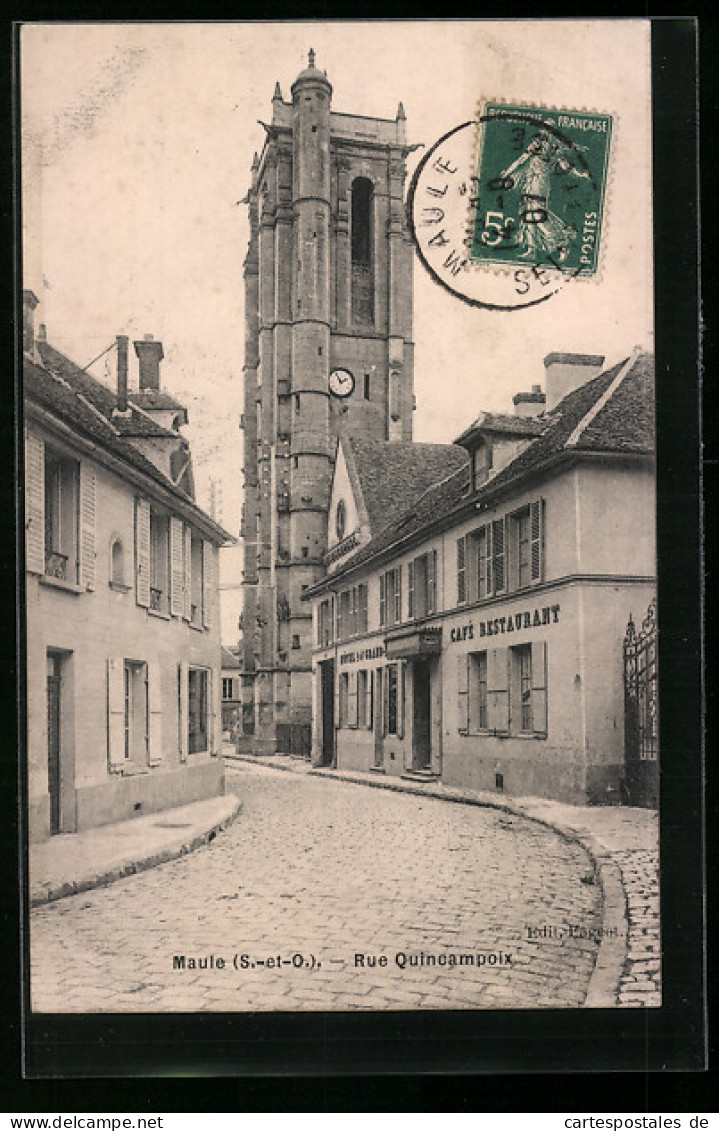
481 464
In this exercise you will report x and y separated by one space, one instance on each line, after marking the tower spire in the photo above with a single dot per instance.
312 57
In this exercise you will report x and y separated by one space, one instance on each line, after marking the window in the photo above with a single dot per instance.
422 585
364 700
394 700
228 688
325 618
159 557
390 597
117 562
478 717
295 641
362 608
528 689
341 519
137 713
343 699
502 555
61 517
366 386
352 611
198 710
196 579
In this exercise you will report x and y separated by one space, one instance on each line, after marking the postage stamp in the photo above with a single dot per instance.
538 191
507 208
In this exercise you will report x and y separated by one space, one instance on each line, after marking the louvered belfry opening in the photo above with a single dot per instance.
362 258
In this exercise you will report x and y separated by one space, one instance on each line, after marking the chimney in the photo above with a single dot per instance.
122 343
566 372
529 404
150 354
29 302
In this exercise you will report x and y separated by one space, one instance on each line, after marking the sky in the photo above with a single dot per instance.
137 141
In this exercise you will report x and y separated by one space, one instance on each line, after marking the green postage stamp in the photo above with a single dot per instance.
539 188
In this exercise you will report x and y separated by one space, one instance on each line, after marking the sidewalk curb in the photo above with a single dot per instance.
130 867
603 988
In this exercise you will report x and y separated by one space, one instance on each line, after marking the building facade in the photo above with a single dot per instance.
328 347
122 628
477 637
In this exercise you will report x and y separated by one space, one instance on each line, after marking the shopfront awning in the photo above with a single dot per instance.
413 642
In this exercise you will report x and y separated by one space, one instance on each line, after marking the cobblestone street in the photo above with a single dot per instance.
328 870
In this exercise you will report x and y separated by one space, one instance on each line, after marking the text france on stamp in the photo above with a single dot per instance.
539 188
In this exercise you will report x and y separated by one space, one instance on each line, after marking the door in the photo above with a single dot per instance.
53 739
421 717
327 677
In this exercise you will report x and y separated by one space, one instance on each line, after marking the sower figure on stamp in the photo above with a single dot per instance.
541 231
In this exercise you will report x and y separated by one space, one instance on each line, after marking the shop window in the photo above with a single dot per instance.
390 597
422 585
394 700
198 710
61 517
364 700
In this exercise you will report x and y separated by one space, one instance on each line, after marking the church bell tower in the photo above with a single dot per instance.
328 346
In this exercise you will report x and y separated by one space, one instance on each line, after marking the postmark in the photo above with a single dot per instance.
506 208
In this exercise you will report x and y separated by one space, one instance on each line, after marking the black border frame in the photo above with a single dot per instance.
331 1046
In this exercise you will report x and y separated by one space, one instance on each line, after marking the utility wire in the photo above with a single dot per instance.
110 347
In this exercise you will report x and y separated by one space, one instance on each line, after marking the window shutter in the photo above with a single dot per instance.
362 590
461 570
400 700
463 694
398 595
382 599
142 552
156 753
182 710
498 555
498 690
539 687
207 583
187 602
369 708
432 581
352 700
177 568
34 504
537 540
488 551
385 700
116 713
410 590
88 492
212 689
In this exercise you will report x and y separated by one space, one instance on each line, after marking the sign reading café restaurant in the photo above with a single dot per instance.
499 626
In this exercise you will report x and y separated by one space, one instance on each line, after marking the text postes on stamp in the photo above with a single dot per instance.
505 209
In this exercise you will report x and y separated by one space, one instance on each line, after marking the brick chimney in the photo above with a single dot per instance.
566 372
29 302
150 354
529 404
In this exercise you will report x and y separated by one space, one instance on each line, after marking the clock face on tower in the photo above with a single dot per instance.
342 382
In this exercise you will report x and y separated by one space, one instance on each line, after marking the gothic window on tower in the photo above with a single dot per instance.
362 258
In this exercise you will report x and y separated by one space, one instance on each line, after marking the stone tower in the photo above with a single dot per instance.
328 287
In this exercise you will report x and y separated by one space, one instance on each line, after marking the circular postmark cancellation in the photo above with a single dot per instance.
506 208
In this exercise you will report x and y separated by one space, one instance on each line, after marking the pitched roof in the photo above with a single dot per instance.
392 474
504 423
85 405
229 659
103 399
611 414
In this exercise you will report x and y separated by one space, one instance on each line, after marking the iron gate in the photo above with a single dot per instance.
641 713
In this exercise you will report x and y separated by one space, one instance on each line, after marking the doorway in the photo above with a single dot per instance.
54 732
327 691
421 716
